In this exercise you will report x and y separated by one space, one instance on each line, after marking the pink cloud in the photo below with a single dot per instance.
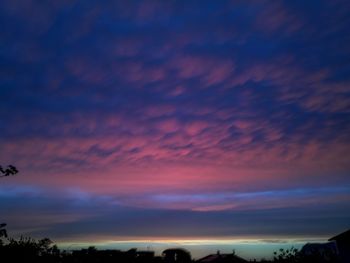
168 125
210 70
311 90
158 110
177 91
274 16
138 73
154 169
195 127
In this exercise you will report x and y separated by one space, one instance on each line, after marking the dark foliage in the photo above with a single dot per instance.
29 250
293 255
10 170
4 172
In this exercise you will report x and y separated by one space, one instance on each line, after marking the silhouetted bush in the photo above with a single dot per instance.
293 255
26 249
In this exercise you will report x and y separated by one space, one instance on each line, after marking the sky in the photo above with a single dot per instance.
175 120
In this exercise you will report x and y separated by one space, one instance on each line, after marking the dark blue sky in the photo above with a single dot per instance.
175 119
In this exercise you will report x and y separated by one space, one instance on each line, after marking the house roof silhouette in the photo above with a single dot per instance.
341 237
222 258
343 244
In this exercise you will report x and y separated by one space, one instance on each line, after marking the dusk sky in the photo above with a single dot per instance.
175 120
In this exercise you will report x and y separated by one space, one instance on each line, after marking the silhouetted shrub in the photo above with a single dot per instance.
293 255
26 249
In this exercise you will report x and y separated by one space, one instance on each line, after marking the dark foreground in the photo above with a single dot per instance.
30 250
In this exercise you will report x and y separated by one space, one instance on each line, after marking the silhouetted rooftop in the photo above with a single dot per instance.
343 236
221 258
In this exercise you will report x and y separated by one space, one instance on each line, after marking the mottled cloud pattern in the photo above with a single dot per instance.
175 118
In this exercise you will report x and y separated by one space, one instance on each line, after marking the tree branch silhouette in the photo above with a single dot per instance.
10 170
4 172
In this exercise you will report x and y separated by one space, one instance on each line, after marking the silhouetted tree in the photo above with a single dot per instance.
3 232
26 249
287 256
293 255
10 170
